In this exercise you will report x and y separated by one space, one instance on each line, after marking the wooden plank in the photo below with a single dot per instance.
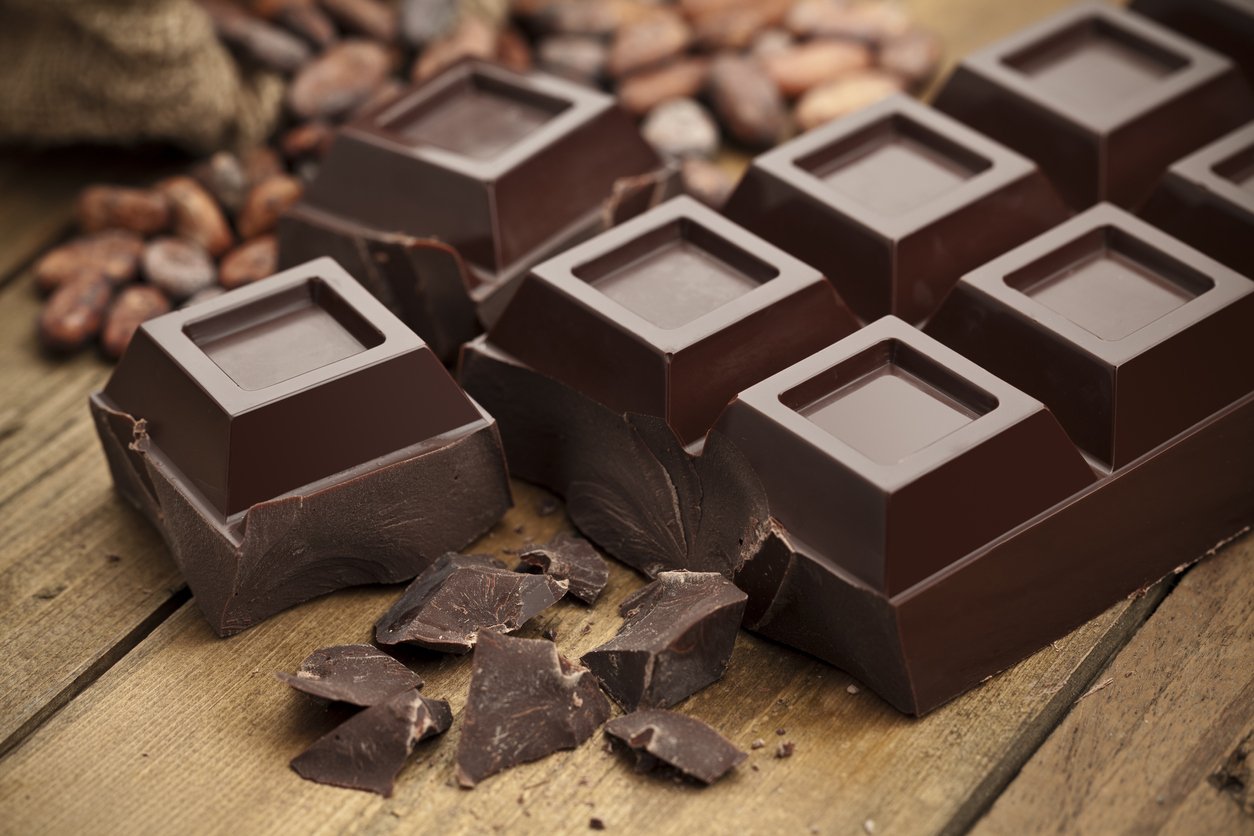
1147 752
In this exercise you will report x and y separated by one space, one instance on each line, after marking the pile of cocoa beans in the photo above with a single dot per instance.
698 74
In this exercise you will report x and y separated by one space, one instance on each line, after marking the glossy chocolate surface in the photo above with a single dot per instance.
670 314
894 204
1225 26
1128 335
1104 100
1207 200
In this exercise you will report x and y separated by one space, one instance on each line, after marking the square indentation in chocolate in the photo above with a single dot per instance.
1113 287
894 402
675 274
1094 64
279 337
479 116
1239 169
894 166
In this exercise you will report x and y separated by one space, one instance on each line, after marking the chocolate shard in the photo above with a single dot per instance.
572 559
462 596
677 639
357 674
526 702
669 739
367 751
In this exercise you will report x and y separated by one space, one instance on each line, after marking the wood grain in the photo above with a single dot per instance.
1144 754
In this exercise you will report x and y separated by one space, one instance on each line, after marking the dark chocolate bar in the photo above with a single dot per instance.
440 199
293 437
1207 200
1225 26
1103 99
894 204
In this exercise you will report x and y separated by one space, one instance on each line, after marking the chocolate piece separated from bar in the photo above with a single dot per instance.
1103 99
572 559
367 751
930 455
462 596
357 674
1225 26
670 314
662 739
505 168
677 639
1207 200
1128 335
526 702
291 438
894 204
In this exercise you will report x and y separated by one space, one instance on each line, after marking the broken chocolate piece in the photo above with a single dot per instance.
667 738
461 595
368 751
573 559
526 701
678 638
358 674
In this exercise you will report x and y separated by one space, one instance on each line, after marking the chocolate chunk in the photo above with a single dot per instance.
669 739
573 559
358 674
678 638
526 701
367 751
450 605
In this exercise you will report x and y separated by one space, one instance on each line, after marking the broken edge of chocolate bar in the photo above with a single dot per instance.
669 739
569 558
356 674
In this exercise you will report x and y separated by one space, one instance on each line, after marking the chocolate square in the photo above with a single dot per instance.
670 315
1102 99
894 204
1127 334
1225 26
893 456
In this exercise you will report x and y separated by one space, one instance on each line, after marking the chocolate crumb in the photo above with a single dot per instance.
853 689
785 749
781 731
758 743
595 824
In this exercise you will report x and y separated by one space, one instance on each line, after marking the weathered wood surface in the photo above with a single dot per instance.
1161 742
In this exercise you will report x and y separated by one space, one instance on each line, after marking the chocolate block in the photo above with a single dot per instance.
670 314
1104 100
894 204
356 674
1129 336
893 456
504 168
1207 200
662 739
293 437
1225 26
677 639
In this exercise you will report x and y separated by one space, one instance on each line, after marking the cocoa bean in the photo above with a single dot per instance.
513 51
112 254
311 139
254 40
747 102
473 38
736 27
305 20
224 177
647 42
807 65
641 92
73 315
134 306
681 128
844 96
249 262
197 216
914 57
260 163
708 182
338 80
143 211
371 18
423 21
591 17
178 267
266 202
576 57
770 42
872 23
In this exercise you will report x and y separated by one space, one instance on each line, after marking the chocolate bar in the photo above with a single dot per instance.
439 200
894 204
293 437
1102 99
1207 200
1225 26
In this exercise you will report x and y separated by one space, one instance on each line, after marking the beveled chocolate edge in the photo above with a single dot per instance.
1005 166
1203 64
1012 405
793 275
1228 284
1199 168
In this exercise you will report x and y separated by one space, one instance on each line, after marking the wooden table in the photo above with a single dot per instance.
121 712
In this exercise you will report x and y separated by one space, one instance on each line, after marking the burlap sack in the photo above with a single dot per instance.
124 72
